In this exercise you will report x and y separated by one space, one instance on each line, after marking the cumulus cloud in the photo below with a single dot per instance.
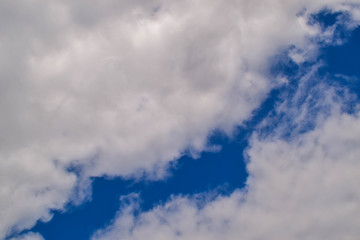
123 87
302 188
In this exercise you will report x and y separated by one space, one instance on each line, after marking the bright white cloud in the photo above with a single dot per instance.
306 188
120 87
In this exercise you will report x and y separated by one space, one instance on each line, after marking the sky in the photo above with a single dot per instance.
194 119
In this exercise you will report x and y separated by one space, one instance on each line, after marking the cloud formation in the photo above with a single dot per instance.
303 188
123 87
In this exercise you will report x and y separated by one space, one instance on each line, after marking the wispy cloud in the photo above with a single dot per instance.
29 236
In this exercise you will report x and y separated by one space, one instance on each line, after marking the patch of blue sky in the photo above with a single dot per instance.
342 62
222 171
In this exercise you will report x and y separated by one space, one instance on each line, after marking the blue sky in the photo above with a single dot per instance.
150 119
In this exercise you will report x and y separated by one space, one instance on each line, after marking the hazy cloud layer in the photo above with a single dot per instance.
122 87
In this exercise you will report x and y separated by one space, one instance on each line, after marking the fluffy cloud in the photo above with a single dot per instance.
123 87
305 188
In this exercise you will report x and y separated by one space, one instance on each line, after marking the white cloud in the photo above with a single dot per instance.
29 236
305 188
122 87
30 185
